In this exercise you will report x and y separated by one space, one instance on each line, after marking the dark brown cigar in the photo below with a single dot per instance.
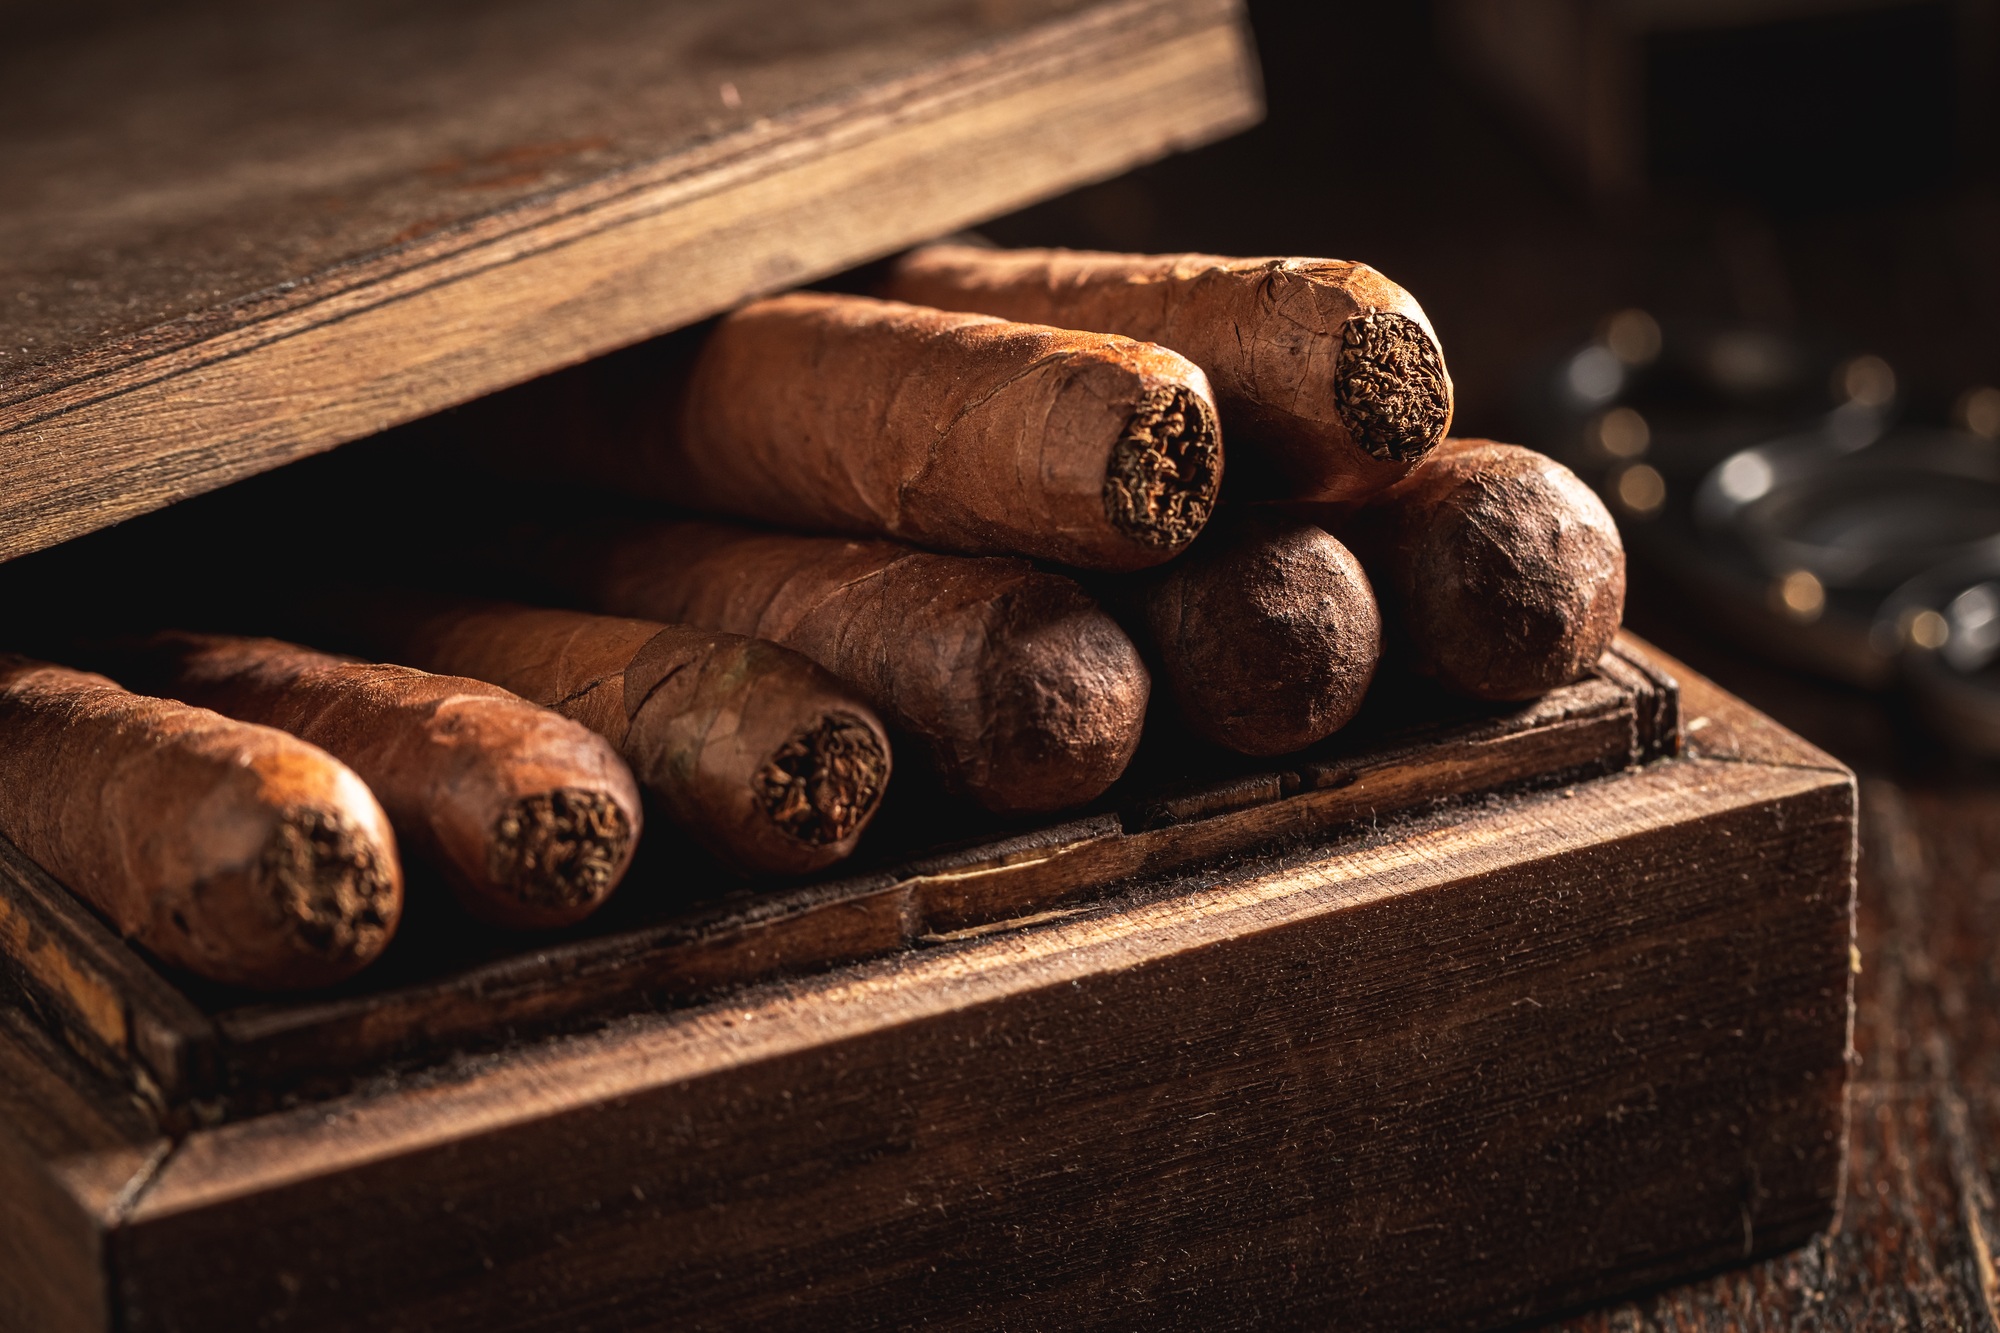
1328 374
1502 571
531 817
233 850
1028 696
1266 633
754 751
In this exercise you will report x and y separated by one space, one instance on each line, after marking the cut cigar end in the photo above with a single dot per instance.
825 782
1391 387
1160 484
333 888
560 851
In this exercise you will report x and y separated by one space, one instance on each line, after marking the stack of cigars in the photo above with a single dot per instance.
967 522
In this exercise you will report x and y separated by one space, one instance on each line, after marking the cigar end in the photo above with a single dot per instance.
334 889
1064 694
824 783
1268 635
1160 485
1391 387
559 853
1518 581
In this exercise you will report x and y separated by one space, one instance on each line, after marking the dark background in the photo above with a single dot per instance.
1833 171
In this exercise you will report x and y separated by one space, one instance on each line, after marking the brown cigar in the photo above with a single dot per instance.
1028 696
235 851
1501 570
754 751
1266 633
1329 376
957 432
531 817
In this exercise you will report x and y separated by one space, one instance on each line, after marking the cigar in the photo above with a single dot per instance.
843 414
235 851
531 817
1266 633
1501 571
1026 695
758 754
1329 377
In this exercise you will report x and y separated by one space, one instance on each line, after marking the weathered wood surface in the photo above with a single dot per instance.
73 1155
236 233
62 965
1484 1060
1920 1230
1919 1235
238 1056
1554 1048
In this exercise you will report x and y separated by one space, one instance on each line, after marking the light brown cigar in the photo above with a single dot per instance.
1029 697
845 414
531 817
1502 571
1266 632
233 850
1328 374
758 754
957 432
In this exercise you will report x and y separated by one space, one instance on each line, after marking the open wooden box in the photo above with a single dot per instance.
1445 1024
1464 1017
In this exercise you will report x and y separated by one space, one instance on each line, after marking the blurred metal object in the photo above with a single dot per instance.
1764 479
1944 626
1685 397
1747 362
1865 517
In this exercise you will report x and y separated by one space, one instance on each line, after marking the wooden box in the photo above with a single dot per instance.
1450 1023
1460 1019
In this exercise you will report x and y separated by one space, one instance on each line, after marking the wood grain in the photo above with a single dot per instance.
1919 1232
238 234
1718 725
1431 1080
72 1156
61 962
